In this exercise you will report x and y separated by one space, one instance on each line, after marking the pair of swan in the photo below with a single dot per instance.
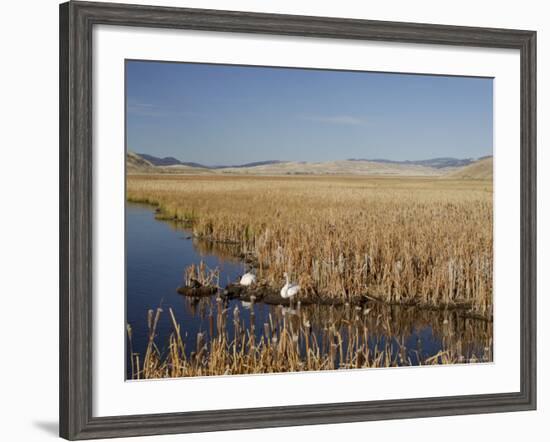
289 290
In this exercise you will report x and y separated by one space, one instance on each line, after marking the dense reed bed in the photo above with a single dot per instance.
305 339
399 240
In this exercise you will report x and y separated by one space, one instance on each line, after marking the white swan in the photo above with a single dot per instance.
248 279
289 290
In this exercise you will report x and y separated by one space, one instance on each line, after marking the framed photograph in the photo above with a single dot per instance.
271 220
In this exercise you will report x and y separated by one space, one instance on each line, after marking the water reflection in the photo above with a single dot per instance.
413 335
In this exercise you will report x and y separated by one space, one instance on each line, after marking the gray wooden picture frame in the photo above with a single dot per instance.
77 20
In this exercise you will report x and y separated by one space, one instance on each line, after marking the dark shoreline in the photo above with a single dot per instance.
267 295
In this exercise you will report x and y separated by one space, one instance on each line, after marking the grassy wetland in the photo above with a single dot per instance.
357 246
399 240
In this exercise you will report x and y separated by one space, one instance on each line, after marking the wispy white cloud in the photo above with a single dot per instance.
143 109
347 120
155 110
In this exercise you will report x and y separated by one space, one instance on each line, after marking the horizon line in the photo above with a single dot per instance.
272 160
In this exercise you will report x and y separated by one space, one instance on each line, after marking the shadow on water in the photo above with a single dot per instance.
159 251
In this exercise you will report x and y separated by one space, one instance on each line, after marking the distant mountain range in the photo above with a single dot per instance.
171 161
436 163
468 168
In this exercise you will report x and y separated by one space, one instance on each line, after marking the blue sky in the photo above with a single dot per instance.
222 114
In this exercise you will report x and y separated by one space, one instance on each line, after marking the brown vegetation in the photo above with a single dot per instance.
285 343
400 240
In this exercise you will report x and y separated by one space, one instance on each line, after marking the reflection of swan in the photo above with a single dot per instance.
289 290
288 311
248 304
248 279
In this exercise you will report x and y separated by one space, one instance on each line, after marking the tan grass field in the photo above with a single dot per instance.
401 240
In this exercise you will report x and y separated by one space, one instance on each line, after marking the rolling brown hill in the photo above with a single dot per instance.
480 170
136 164
345 167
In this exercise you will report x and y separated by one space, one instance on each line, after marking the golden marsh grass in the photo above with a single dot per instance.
400 240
